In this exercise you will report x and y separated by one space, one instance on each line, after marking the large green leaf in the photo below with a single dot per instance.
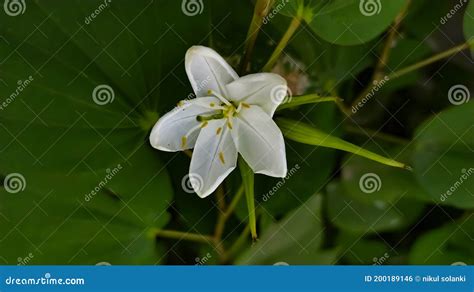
371 182
104 216
296 239
443 156
452 244
357 216
59 59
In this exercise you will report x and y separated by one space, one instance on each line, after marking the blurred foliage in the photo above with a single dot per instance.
95 191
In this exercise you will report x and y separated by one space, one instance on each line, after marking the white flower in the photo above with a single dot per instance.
229 115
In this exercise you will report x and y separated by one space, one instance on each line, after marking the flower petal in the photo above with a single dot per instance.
266 90
178 129
214 157
260 142
207 70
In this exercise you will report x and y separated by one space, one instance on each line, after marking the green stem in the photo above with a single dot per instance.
260 11
431 60
173 234
295 23
248 181
224 216
306 99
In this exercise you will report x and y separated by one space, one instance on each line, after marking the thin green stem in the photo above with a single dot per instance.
260 11
248 181
306 99
226 213
383 60
431 60
295 23
173 234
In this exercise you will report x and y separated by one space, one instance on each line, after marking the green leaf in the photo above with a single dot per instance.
295 240
88 218
443 156
469 23
372 182
357 216
452 244
304 133
306 99
352 22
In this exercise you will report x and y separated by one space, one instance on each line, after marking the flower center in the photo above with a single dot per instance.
227 109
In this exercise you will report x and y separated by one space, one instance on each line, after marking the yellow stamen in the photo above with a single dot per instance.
203 124
221 157
209 92
180 103
212 104
218 131
245 105
183 141
229 124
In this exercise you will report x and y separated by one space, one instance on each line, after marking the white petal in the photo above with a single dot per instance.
168 132
266 90
207 70
260 142
214 157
